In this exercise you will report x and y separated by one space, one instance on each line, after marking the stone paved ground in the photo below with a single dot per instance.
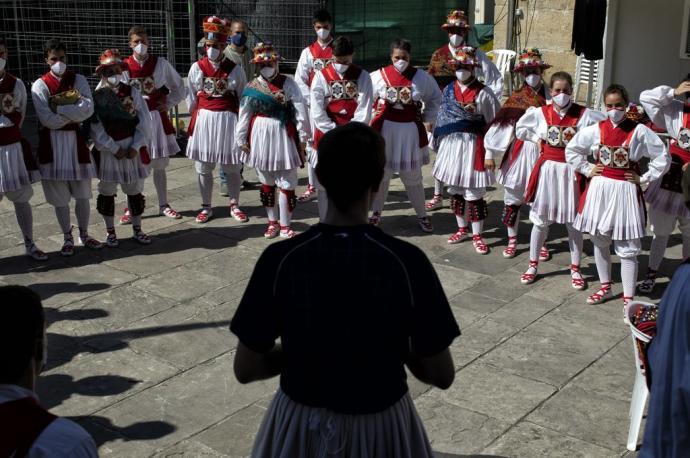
141 356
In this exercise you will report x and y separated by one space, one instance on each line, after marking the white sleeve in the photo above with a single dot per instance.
238 79
664 111
488 104
365 98
654 149
531 126
83 109
242 126
580 146
303 127
319 91
143 133
304 66
194 78
432 96
173 81
498 139
40 96
590 117
103 142
492 77
376 83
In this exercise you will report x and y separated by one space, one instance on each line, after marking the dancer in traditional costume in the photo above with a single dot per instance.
272 130
457 25
516 157
162 88
62 100
121 130
215 85
340 93
466 108
18 168
313 59
554 187
612 209
405 98
665 196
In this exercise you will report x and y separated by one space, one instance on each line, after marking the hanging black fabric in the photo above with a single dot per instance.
588 28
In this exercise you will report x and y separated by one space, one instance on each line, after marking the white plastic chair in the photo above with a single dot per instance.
503 59
640 391
587 72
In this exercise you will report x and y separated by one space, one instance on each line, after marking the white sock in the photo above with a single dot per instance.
416 195
477 227
629 275
602 257
537 239
205 187
82 210
462 222
382 194
310 173
285 213
657 250
233 182
438 187
25 220
62 215
160 181
322 202
575 244
513 230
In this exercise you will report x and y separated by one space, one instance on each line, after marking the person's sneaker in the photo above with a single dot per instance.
646 286
68 245
425 224
166 210
140 236
111 239
126 218
35 253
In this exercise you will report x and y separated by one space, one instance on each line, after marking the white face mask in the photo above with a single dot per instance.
114 80
58 67
2 64
141 49
323 33
456 40
341 68
616 115
267 72
561 99
533 80
463 74
400 65
213 53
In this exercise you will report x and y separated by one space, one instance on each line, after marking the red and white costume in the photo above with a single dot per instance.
213 97
665 196
612 209
312 60
162 88
402 102
554 187
18 167
337 99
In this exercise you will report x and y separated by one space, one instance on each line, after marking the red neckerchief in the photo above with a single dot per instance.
351 74
393 78
137 70
620 135
224 69
471 91
572 116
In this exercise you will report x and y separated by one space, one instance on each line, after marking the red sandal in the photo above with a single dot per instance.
272 230
459 236
529 277
435 203
544 254
479 245
576 279
601 296
511 249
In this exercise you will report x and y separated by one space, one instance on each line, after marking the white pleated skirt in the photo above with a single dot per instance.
556 198
669 202
614 208
516 175
124 170
454 163
402 146
65 165
13 173
272 148
162 144
292 430
214 138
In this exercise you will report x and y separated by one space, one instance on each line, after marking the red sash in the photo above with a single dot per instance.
228 101
410 112
341 111
548 152
156 95
45 147
21 422
317 52
467 98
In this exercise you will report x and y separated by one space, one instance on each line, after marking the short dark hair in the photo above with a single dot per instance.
351 159
565 76
617 89
54 44
21 327
342 46
322 16
136 30
401 43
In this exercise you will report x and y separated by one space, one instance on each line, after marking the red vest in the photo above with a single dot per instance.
399 94
21 422
559 132
322 58
468 101
343 102
215 95
141 77
45 147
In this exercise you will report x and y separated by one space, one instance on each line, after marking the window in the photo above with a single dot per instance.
685 37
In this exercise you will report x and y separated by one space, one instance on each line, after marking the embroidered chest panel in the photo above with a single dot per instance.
617 157
215 87
683 139
559 136
399 94
7 103
146 85
343 89
320 63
